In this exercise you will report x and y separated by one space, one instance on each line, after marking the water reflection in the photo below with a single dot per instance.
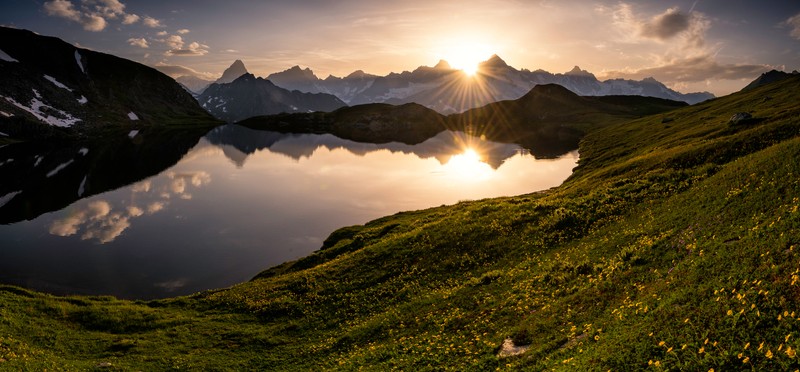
39 177
238 202
237 143
99 221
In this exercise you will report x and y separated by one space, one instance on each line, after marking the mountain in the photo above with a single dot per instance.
248 96
672 246
50 88
296 78
447 90
194 84
549 120
769 77
304 80
232 73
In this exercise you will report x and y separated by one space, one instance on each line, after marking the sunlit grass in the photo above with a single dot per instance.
673 246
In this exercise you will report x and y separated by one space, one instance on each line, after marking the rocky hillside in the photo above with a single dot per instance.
49 88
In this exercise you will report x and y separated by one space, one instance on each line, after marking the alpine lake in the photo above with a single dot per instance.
147 215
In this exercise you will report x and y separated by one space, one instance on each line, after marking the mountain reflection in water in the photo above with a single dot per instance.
238 202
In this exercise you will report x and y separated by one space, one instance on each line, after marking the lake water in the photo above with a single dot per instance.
239 201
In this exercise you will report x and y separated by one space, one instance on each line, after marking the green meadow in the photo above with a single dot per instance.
675 245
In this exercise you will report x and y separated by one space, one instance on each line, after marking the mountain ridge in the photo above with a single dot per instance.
443 88
53 89
249 96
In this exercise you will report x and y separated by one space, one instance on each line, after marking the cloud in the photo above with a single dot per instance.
130 19
161 33
183 31
683 30
174 41
666 25
794 23
140 42
93 15
692 69
193 49
176 71
94 22
152 22
63 9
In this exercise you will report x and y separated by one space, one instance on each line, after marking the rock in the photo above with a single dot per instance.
510 349
740 117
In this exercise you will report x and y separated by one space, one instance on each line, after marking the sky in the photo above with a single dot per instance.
690 45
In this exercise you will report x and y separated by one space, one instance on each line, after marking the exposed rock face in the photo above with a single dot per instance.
232 73
740 118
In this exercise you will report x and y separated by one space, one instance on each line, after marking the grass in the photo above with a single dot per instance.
674 245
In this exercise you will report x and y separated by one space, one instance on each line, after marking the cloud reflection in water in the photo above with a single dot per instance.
101 221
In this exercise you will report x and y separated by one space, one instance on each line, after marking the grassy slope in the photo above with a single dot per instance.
674 245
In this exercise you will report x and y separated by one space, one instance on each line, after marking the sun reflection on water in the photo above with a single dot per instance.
468 166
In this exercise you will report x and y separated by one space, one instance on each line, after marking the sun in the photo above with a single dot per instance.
466 56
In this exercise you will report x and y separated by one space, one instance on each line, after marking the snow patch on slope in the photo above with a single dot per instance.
7 197
82 188
78 59
56 82
132 116
82 100
5 57
59 168
35 109
133 133
5 114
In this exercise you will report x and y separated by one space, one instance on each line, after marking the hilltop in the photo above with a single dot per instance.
672 246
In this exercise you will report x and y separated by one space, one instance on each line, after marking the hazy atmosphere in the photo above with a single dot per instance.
715 46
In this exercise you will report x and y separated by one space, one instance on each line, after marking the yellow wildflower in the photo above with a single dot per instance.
746 346
768 354
661 343
702 350
746 360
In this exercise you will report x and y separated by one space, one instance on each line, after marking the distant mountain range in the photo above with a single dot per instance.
449 90
249 96
50 88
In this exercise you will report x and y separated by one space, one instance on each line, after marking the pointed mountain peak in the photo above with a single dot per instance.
443 65
231 73
576 71
494 61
